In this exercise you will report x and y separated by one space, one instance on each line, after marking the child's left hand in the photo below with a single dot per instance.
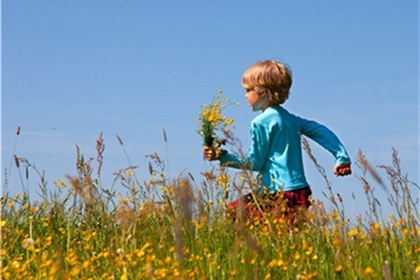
209 153
342 169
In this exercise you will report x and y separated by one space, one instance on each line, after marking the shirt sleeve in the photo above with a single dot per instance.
326 138
257 152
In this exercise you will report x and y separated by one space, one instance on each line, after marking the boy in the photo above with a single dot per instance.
275 151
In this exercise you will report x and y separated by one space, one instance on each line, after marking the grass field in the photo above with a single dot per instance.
177 229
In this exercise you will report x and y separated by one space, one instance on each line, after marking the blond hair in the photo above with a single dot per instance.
271 77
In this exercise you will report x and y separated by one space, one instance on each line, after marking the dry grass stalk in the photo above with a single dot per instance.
100 147
153 208
179 240
185 196
321 170
85 188
386 271
125 216
368 167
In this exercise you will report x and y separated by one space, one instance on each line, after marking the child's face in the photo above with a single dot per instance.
257 101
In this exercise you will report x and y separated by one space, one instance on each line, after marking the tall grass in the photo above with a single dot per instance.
164 228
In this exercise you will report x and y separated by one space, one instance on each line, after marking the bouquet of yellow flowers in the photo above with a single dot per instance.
212 121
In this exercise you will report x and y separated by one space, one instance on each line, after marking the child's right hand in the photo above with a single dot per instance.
209 153
342 169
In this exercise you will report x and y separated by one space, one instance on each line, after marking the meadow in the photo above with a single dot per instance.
176 228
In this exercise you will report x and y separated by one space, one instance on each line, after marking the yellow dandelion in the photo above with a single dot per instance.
54 268
223 179
75 271
228 121
124 276
272 264
353 232
15 264
368 271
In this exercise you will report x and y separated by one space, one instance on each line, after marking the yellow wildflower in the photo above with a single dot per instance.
75 271
212 121
353 232
368 271
223 179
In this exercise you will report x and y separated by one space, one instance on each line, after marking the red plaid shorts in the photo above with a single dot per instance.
282 203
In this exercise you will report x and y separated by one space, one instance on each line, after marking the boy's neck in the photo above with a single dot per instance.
268 104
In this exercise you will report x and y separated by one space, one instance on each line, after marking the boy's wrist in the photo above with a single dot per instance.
222 152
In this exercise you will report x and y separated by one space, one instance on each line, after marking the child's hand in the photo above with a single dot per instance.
209 153
342 169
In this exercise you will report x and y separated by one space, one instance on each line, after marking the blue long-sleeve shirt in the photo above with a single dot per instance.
276 152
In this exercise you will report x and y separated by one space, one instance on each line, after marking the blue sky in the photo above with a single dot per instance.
73 69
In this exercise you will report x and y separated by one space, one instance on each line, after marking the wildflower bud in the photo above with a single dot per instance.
17 161
366 188
150 169
119 140
28 243
164 136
